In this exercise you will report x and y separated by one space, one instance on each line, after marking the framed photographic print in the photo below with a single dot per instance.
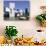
16 10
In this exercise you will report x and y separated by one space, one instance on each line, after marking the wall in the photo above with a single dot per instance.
35 10
24 27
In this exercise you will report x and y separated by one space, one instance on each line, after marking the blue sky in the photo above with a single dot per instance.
18 4
16 0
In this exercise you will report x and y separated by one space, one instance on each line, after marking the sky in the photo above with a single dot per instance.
16 0
18 4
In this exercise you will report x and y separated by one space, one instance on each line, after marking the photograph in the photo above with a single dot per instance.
16 10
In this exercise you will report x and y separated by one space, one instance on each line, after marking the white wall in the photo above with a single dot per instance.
35 10
24 27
